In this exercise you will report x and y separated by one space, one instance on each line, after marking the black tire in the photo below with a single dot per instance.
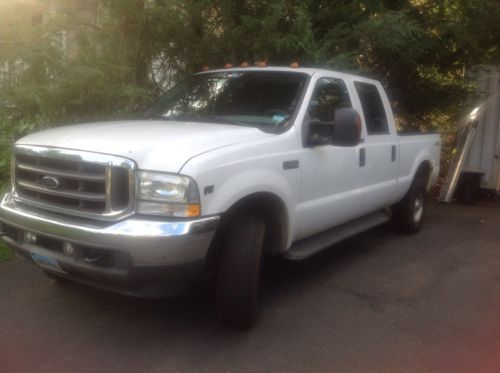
408 215
240 272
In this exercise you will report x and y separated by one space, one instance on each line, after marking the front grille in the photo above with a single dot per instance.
77 183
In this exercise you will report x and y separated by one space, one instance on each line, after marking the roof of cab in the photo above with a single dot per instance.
305 70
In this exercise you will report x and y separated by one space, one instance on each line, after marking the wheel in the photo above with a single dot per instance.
240 272
409 214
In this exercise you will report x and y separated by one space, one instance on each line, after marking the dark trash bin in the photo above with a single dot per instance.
469 187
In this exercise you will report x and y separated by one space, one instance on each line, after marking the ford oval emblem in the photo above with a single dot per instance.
50 182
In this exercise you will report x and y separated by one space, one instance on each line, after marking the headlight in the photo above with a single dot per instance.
167 194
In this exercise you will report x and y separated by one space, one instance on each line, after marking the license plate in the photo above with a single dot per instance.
47 263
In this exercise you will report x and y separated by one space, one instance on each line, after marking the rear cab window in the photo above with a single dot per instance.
373 108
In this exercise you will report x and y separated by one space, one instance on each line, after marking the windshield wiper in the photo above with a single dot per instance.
224 120
194 118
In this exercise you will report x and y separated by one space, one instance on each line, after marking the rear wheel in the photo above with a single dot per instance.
408 215
240 272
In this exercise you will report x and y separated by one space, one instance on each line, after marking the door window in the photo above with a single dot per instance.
329 95
373 108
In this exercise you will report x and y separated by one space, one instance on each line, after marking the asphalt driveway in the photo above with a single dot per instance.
380 302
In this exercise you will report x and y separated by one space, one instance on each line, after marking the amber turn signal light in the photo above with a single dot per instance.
193 210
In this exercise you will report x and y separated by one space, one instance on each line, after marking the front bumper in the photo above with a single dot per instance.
137 256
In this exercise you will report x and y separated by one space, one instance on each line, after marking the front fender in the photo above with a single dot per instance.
249 182
243 184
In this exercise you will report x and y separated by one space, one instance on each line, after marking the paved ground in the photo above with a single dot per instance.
380 302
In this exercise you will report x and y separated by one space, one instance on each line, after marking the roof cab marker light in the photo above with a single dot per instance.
244 64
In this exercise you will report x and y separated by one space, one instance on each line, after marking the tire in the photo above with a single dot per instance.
408 215
239 273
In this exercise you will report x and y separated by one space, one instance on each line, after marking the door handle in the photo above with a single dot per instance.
393 153
362 157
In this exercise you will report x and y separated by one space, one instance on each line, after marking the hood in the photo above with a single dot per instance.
153 145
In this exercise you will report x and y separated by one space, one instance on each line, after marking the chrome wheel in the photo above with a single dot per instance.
409 214
418 207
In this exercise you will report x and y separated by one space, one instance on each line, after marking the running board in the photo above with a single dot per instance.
312 245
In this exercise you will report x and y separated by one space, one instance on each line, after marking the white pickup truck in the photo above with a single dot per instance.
228 167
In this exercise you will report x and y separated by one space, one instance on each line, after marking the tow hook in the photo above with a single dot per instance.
95 257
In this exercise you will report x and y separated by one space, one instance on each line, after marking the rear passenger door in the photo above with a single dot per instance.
378 152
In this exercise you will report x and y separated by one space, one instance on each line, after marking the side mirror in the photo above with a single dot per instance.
320 133
345 130
347 127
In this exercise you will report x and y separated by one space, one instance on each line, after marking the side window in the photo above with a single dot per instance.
373 108
329 95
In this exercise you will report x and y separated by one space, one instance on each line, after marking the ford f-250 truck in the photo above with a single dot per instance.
228 167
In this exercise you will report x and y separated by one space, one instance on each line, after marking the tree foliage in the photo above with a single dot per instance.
101 58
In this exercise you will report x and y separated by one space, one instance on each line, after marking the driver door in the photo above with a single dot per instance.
329 196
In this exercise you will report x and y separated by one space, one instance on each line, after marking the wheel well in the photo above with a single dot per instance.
267 206
272 211
424 172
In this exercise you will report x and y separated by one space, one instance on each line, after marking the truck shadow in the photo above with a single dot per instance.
284 281
284 278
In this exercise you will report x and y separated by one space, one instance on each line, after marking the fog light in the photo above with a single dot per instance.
68 249
29 237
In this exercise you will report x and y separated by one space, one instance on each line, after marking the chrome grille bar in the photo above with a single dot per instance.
63 193
109 181
83 176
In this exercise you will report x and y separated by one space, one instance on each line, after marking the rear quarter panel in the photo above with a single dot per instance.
413 151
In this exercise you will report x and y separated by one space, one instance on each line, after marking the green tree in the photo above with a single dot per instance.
101 59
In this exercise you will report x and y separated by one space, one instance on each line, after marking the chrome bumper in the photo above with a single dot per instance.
139 244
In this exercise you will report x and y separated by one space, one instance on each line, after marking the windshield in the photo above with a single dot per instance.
264 98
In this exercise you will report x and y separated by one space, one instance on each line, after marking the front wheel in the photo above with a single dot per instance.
240 272
408 215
